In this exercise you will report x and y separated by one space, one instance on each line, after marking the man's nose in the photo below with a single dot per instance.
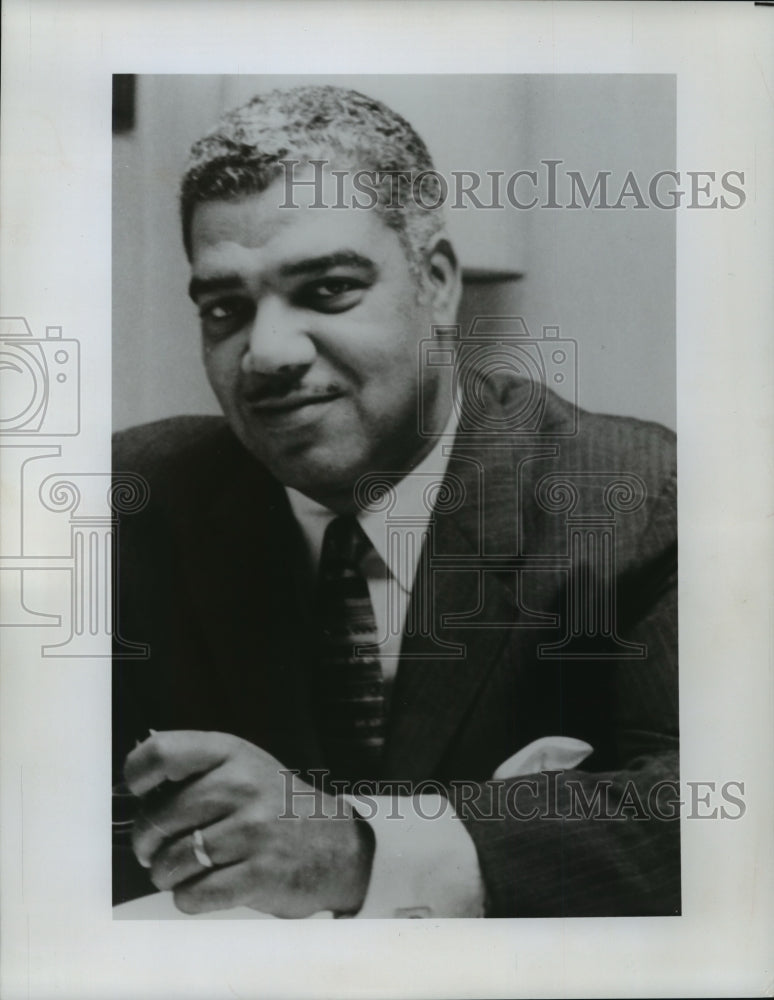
278 340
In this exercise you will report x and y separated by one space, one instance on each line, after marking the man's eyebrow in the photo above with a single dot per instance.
198 286
341 258
308 265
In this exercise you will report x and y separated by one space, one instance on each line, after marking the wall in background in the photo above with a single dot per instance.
606 278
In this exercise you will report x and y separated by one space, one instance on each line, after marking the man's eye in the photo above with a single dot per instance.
333 286
217 312
226 316
332 294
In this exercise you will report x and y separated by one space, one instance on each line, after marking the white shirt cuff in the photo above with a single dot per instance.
425 863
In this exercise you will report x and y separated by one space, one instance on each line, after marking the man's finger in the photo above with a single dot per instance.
219 889
173 756
177 810
176 861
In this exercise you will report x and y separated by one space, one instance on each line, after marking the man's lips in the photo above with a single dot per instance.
289 401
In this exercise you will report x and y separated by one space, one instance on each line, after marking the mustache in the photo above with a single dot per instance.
258 389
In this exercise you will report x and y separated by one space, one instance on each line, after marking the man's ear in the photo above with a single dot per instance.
445 281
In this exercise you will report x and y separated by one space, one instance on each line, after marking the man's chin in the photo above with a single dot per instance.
324 478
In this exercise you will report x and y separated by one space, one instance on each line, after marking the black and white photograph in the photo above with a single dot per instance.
406 605
362 367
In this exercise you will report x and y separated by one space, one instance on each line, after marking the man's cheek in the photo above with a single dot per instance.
219 383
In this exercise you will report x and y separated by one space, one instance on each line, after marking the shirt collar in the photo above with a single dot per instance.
409 492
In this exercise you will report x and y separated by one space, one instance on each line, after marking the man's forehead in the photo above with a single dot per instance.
256 231
323 188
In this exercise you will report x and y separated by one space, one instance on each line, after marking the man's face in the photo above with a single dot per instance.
311 323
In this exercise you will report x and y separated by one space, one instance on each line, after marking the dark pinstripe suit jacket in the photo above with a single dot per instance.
553 611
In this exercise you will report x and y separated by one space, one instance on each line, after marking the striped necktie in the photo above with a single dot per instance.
350 684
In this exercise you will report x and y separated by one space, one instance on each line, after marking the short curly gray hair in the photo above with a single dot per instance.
243 154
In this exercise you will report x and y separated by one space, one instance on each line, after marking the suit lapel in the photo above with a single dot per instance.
441 673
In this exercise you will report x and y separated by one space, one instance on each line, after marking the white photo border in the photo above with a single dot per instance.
59 936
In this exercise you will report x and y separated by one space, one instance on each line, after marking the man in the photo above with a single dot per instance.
337 601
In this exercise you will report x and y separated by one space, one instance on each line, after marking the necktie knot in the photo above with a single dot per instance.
344 543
